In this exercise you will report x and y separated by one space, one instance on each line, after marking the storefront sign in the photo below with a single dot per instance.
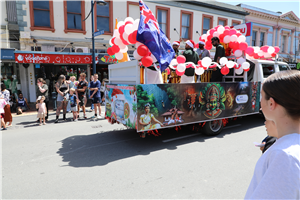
245 29
52 58
106 59
7 54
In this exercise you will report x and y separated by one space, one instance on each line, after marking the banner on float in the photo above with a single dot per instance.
121 104
245 29
169 105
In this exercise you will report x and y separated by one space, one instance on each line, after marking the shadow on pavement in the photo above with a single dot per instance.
105 147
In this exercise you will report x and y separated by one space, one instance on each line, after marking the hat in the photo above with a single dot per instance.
200 42
176 43
191 43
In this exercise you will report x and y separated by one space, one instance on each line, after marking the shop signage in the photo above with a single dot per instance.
106 59
52 58
7 54
245 29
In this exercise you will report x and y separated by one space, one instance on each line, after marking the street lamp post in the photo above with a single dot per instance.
102 3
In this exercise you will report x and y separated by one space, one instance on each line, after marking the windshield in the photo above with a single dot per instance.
283 67
268 69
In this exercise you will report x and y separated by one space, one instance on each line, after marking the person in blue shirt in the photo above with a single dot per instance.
96 96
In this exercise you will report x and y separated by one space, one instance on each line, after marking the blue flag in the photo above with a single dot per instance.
150 34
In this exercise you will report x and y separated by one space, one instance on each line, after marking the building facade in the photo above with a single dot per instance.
275 29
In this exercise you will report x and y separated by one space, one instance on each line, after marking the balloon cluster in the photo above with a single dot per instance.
143 54
124 34
262 52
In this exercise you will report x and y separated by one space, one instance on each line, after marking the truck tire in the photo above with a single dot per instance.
213 128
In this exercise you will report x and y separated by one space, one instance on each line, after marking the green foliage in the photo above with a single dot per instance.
134 107
174 95
144 98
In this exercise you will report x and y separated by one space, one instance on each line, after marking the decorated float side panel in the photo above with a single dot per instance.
121 104
169 105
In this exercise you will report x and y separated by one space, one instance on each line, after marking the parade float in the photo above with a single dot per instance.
137 97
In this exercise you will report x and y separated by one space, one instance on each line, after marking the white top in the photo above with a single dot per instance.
277 172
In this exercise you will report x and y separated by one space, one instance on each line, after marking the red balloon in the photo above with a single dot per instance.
115 48
211 32
238 34
264 48
113 40
121 29
277 49
255 56
181 59
147 61
130 39
208 47
221 37
227 27
243 46
133 35
226 32
234 45
232 32
249 51
143 50
190 65
110 51
225 70
179 73
209 38
246 70
273 54
200 62
128 22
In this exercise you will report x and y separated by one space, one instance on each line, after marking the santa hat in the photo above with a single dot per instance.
176 43
200 42
191 43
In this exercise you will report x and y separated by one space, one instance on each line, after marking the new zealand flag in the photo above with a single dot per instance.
150 34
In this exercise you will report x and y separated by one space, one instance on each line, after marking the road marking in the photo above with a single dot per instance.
178 138
227 127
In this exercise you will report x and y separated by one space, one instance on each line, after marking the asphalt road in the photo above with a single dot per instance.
97 160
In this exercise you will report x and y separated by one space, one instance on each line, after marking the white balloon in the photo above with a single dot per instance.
241 38
122 46
116 33
136 24
204 37
238 53
223 61
206 61
260 53
137 44
118 42
267 55
136 55
128 29
125 37
230 64
154 58
241 60
226 39
271 50
221 30
233 38
120 23
129 19
216 34
173 63
199 70
119 56
238 71
245 65
181 67
124 50
208 33
256 49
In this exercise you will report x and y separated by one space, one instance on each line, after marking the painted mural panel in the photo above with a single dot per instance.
121 103
168 105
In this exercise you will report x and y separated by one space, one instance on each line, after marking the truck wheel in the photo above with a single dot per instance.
213 128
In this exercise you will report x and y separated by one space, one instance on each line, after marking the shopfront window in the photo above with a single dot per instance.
10 76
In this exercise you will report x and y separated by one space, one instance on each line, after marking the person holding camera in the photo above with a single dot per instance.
62 89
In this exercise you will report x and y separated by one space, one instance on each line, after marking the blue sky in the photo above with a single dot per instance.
271 5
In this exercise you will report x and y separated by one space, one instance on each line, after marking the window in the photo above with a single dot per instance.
262 39
61 49
133 9
163 19
222 21
253 42
74 12
186 25
207 23
283 67
41 15
283 43
268 70
37 48
234 22
104 18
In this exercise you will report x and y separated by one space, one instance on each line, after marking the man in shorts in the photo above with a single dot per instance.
81 90
96 95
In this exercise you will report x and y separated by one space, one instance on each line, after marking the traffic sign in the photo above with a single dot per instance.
98 33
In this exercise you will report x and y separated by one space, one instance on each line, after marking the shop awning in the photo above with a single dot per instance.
7 54
52 57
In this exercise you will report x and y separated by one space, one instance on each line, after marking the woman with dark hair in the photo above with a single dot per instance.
42 90
62 89
7 112
277 172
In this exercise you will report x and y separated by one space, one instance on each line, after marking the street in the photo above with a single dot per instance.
97 160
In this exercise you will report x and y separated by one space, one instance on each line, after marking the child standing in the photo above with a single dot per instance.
73 103
42 111
2 105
